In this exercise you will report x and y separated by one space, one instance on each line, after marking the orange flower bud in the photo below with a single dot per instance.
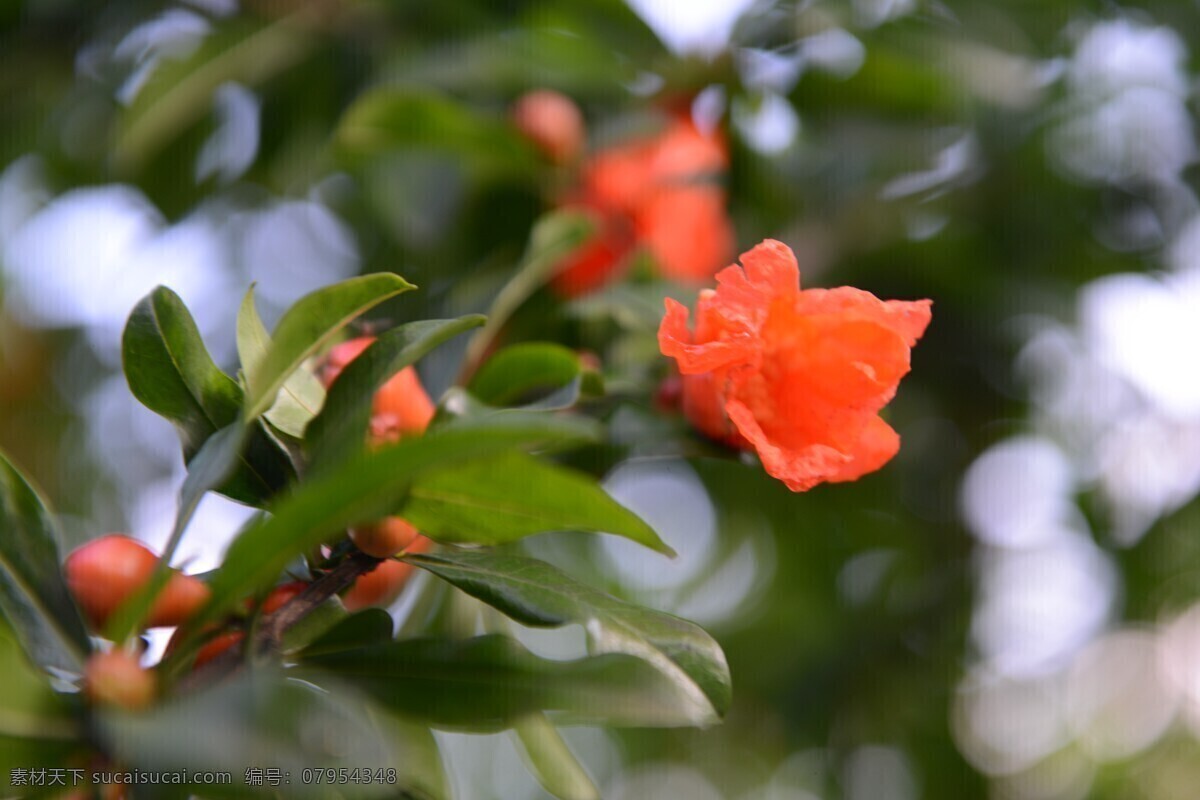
552 121
179 600
385 538
400 408
117 679
105 572
381 586
799 376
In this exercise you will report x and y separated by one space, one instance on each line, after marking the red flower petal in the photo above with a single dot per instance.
687 231
674 340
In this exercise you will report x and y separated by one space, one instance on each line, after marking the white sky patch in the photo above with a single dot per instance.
231 148
701 27
770 126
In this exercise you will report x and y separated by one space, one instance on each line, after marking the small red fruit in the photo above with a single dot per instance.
400 408
117 679
382 585
552 121
105 572
217 645
385 538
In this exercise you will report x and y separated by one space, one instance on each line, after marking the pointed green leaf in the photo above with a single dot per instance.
307 325
170 371
301 395
490 682
33 595
341 427
510 496
368 486
367 627
523 372
538 594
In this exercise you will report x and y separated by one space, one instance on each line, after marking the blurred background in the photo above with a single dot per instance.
1010 609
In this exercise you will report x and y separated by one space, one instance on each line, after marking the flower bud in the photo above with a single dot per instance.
117 679
381 586
385 538
105 572
552 121
400 408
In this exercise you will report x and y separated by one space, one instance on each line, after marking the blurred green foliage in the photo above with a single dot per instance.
395 116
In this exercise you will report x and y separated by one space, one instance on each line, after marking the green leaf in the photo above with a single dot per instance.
341 427
170 372
405 119
301 396
523 372
258 719
491 682
538 594
307 325
367 627
366 487
510 496
33 595
553 237
551 761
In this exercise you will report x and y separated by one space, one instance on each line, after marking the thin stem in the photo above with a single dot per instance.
267 635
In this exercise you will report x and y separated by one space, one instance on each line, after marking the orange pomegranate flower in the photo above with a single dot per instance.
660 193
799 376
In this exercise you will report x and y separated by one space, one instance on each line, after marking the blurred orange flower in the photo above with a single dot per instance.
662 193
799 376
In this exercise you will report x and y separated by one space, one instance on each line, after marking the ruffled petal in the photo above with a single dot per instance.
877 445
800 468
769 275
907 318
675 341
846 362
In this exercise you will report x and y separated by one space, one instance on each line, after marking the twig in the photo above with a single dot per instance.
268 634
